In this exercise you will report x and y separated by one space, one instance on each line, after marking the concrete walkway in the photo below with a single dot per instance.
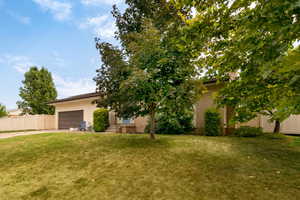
9 135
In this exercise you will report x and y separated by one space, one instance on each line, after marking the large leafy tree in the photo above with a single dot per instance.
110 77
259 95
3 111
37 91
159 76
162 79
251 38
289 70
162 13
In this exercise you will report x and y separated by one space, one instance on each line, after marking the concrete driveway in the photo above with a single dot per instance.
9 135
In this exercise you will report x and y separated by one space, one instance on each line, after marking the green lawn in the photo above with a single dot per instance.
90 166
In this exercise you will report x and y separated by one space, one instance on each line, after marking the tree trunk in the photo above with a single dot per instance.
152 125
277 127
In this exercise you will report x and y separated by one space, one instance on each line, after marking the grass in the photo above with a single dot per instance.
18 131
93 166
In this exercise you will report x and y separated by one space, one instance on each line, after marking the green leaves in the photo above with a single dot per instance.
3 111
161 76
37 91
253 39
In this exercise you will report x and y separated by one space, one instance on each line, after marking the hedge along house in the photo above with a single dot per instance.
71 111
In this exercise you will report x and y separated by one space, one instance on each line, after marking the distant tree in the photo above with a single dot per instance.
37 91
3 111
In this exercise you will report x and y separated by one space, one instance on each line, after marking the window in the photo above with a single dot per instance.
126 121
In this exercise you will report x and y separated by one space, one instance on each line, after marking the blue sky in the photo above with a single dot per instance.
56 34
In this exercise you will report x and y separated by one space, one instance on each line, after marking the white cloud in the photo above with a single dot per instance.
296 43
19 18
94 21
101 26
253 5
19 63
67 87
99 2
57 60
194 12
60 10
23 63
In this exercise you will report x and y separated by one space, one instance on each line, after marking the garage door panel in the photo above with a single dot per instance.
70 119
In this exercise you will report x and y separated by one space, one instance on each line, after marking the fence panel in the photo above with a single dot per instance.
289 126
27 122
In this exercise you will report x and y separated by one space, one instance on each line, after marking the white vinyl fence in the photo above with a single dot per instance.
27 122
289 126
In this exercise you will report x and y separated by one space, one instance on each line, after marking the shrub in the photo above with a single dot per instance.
212 125
176 123
101 122
3 112
248 131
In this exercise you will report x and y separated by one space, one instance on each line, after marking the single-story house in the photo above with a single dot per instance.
71 111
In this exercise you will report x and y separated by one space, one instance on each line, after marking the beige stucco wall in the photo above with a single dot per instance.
88 111
266 125
84 104
206 102
27 122
289 126
140 124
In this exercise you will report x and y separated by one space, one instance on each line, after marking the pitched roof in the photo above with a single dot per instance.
77 97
